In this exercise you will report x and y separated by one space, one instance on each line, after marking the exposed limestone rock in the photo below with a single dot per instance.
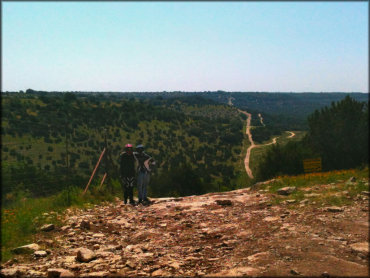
98 235
175 265
238 271
85 224
160 272
10 272
96 274
335 209
352 179
361 247
286 190
224 202
59 272
40 254
197 236
312 195
47 227
258 256
26 249
259 184
70 259
271 218
294 272
34 273
131 264
85 255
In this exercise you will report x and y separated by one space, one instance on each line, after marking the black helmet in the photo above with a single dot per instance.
140 146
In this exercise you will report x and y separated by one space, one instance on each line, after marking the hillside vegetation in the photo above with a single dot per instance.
53 140
337 134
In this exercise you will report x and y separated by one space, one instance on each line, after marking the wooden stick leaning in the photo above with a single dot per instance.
93 173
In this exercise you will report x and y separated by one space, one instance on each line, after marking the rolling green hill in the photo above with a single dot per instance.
202 137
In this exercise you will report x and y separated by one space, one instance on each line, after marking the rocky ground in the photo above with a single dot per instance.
235 233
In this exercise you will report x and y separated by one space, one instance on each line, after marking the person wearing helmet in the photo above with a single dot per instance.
127 173
143 172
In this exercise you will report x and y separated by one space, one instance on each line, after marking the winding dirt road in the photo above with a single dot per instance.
253 145
248 132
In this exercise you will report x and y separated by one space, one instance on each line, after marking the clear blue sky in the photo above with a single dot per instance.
185 46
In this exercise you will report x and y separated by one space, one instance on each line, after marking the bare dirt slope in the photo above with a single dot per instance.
219 234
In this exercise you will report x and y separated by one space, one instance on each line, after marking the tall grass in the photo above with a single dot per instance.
22 219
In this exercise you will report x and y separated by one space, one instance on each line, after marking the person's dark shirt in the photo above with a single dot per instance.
127 165
141 158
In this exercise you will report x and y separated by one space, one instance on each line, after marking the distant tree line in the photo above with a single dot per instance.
339 134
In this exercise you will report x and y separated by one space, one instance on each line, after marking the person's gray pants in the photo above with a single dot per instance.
142 184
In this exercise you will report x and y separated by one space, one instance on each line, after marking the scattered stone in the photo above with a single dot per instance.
70 259
259 184
10 272
175 265
85 225
258 256
311 195
238 271
98 235
64 228
34 273
59 272
271 218
224 202
118 247
352 179
292 201
294 272
96 274
361 247
159 272
10 262
26 249
47 227
335 209
286 190
131 264
325 274
85 255
75 266
40 254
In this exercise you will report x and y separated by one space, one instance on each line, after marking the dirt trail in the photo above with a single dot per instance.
248 132
253 145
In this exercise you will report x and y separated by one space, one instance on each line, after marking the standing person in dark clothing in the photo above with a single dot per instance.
143 172
127 172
